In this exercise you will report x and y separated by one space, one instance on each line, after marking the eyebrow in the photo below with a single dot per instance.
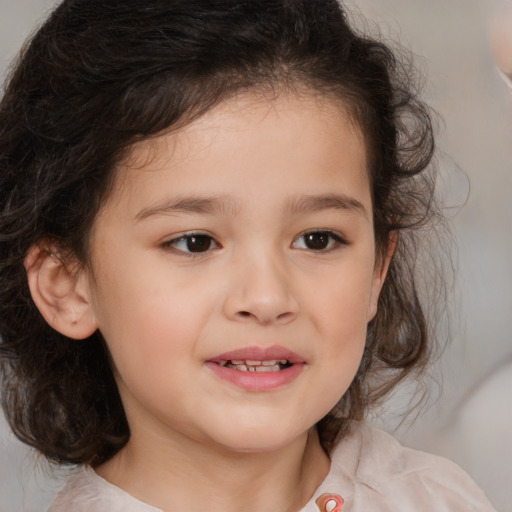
316 203
199 205
226 205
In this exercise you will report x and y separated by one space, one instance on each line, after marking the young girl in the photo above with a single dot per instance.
207 275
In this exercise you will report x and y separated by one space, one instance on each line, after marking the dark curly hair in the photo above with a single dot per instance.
100 75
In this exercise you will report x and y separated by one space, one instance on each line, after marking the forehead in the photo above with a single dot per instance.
297 140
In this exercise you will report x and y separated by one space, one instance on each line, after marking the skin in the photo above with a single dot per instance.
271 171
501 40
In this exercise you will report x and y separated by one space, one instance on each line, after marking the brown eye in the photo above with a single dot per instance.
193 243
198 243
318 241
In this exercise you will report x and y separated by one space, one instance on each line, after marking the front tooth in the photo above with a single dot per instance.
237 362
250 362
274 368
271 362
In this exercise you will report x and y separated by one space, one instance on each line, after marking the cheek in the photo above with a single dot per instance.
341 305
341 321
149 321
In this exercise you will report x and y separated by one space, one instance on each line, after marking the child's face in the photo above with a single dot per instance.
250 230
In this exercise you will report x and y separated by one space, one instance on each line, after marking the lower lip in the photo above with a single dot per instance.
257 381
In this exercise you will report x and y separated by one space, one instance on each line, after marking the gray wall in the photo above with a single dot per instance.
471 419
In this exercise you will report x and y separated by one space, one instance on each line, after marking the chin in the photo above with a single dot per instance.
259 440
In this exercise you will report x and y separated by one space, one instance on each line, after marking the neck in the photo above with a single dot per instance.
177 478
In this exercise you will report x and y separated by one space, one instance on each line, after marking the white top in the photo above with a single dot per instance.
370 472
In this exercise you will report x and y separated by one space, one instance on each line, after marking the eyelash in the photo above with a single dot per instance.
188 237
334 241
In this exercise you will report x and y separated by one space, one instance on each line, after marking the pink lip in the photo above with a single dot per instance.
259 354
257 381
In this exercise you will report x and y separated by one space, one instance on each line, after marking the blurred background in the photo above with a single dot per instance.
468 417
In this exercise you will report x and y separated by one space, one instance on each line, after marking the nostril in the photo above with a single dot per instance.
283 317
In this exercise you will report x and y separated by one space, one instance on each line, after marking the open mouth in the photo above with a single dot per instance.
249 365
256 368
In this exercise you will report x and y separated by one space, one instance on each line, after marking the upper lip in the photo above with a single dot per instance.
257 353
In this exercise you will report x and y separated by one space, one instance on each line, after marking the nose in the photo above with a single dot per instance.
260 291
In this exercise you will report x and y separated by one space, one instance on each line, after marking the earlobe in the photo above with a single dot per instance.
379 275
59 294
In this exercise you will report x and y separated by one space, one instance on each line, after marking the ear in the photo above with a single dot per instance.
61 295
379 275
